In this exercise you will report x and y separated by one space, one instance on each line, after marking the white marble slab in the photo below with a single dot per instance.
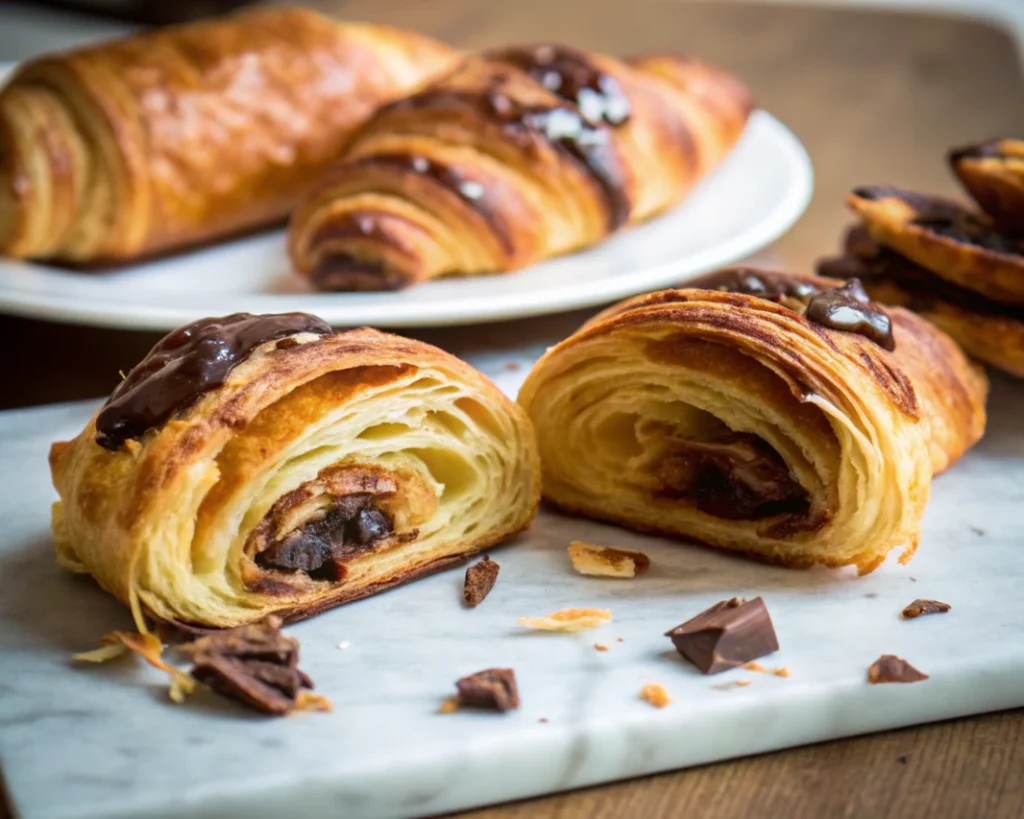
105 742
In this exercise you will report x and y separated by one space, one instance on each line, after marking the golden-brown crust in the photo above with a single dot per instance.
169 523
490 169
993 174
989 332
189 133
893 217
857 426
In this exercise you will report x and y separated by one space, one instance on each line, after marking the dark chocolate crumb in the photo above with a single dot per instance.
480 578
493 689
919 607
902 760
891 669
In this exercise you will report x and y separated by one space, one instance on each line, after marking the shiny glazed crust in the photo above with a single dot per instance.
169 523
449 183
888 214
993 173
861 430
190 133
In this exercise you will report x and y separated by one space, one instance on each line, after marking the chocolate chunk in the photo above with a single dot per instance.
919 607
301 551
480 578
254 664
891 669
849 308
187 363
493 688
726 636
369 526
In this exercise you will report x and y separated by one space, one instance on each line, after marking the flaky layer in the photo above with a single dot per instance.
736 421
397 455
189 133
519 154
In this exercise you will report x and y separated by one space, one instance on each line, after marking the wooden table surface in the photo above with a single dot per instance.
875 97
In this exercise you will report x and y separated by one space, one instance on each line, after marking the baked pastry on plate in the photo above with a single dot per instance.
993 173
252 465
785 417
518 155
187 134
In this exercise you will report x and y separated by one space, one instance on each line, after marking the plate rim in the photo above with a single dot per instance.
138 315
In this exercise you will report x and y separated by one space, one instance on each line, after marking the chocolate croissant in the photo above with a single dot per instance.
993 173
785 417
252 465
187 134
519 154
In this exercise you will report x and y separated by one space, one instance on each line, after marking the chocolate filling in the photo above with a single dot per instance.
563 126
736 476
968 229
320 547
342 271
187 363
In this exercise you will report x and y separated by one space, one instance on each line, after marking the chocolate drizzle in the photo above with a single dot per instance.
845 308
187 363
563 126
572 76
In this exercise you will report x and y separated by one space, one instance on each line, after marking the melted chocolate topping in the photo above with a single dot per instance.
842 308
187 363
563 126
571 75
849 308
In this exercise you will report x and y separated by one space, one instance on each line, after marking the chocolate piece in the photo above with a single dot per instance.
726 636
572 76
480 578
849 308
187 363
919 607
563 126
493 688
255 664
891 669
318 547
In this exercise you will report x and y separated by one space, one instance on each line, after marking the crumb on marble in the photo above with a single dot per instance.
600 646
480 579
512 366
543 719
620 639
449 706
892 669
570 619
921 607
782 671
732 684
656 695
605 561
913 580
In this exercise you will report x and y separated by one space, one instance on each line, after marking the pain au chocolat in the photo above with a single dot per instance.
187 134
785 417
518 155
252 465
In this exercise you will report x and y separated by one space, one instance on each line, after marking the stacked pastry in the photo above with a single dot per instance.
960 268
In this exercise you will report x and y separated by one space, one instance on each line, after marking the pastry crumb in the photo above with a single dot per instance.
732 684
605 561
568 620
543 719
892 669
781 671
308 701
449 706
755 667
920 607
149 648
620 640
600 646
512 366
656 695
493 689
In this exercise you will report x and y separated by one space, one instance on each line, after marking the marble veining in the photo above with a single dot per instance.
105 742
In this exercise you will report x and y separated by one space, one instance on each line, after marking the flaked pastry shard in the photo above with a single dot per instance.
786 417
252 465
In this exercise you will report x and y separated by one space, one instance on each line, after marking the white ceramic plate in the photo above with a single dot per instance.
755 196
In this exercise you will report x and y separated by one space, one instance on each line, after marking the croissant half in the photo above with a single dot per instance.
519 154
260 464
747 420
189 133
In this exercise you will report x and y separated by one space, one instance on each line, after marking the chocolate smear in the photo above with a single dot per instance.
254 664
493 689
919 607
891 669
849 308
727 635
480 578
187 363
